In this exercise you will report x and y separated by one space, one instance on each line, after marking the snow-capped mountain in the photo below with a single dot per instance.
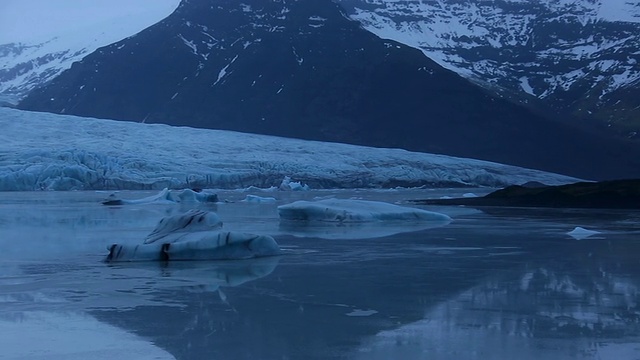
570 57
60 152
576 57
303 69
36 48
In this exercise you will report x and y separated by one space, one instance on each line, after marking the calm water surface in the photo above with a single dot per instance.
492 284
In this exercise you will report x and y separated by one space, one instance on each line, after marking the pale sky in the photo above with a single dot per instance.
33 20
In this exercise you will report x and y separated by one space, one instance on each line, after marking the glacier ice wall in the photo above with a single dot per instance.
40 151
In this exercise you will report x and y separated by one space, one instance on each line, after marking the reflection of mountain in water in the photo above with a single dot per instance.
474 292
55 335
531 315
305 308
51 313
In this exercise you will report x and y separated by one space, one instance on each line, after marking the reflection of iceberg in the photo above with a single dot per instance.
55 333
354 219
69 336
194 235
327 230
122 285
167 196
226 274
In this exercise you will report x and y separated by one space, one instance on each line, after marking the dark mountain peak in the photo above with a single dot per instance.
238 63
303 69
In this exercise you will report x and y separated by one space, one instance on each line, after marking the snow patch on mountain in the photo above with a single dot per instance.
619 10
558 46
40 39
40 151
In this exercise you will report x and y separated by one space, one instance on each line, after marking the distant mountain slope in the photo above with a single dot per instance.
54 152
36 45
303 69
579 57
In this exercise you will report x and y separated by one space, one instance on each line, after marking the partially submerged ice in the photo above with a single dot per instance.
580 233
194 235
354 211
259 199
166 196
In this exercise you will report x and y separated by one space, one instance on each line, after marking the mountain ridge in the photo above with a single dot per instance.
32 53
581 59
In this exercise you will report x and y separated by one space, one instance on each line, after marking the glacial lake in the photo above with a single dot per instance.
493 284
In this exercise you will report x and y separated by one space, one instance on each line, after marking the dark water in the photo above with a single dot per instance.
493 284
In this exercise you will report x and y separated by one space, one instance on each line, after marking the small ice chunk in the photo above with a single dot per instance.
580 233
469 195
259 199
287 185
358 312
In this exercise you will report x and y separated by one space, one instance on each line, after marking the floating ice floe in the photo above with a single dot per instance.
354 219
259 199
166 196
194 235
354 211
580 233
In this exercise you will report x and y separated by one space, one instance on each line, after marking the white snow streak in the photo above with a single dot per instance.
223 71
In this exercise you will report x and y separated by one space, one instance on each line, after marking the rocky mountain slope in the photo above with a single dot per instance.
579 58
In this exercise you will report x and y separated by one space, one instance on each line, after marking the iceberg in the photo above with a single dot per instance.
40 151
580 233
259 199
288 185
194 235
354 211
166 196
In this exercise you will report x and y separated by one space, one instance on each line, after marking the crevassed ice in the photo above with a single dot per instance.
40 151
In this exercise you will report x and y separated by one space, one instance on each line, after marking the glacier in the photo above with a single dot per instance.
40 151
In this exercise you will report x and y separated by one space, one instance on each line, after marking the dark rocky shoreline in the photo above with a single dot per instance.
615 194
